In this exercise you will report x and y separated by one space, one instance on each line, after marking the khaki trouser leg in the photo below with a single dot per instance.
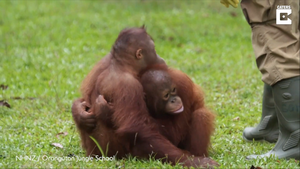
276 47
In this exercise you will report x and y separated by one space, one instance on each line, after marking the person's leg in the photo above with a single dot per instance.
277 54
267 129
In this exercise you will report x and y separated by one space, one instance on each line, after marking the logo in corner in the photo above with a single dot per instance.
282 15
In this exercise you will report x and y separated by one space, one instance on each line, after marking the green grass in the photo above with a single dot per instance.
48 47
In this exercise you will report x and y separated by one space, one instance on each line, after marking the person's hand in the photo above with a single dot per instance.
233 3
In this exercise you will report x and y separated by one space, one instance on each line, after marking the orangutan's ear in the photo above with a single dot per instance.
138 54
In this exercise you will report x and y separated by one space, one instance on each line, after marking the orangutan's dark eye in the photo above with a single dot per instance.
166 96
174 90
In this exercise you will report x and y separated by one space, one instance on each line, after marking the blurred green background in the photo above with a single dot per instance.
47 47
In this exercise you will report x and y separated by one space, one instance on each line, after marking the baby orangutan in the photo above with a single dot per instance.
177 107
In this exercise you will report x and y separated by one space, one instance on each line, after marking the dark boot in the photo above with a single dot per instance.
267 129
286 96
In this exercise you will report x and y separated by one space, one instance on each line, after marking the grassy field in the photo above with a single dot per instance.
48 47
